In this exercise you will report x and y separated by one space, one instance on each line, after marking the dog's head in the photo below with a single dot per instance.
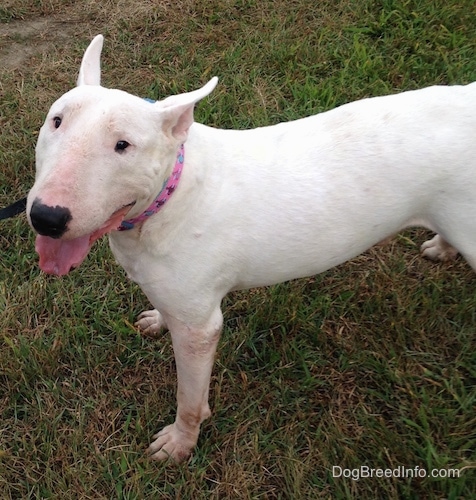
102 154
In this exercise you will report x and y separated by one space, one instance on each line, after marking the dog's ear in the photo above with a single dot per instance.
90 70
177 110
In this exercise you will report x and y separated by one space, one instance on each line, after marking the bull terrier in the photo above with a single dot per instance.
193 212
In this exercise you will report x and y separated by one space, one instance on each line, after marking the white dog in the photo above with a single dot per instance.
241 209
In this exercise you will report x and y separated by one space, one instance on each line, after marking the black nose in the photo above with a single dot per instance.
49 221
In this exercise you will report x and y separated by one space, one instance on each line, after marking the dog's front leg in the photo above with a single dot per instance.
194 349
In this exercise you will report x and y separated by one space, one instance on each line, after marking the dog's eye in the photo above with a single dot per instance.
57 121
121 146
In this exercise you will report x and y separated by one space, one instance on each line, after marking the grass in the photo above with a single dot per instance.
372 363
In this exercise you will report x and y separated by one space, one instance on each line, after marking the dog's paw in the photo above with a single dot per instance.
438 249
170 443
150 322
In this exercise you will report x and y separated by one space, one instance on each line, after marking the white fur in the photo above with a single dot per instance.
253 207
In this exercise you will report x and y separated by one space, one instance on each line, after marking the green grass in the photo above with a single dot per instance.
372 363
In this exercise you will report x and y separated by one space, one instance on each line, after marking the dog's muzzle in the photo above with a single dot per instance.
49 221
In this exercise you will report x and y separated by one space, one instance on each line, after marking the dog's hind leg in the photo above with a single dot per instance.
438 249
150 322
194 349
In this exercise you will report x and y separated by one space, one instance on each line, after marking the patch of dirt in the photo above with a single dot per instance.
20 40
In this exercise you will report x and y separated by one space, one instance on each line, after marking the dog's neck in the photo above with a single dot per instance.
165 193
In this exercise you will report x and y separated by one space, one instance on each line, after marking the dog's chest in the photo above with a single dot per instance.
134 257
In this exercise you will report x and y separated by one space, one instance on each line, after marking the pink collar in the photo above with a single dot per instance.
166 192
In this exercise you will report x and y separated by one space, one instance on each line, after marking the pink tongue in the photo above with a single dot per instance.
60 256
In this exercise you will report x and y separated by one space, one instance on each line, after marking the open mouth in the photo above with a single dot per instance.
59 256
